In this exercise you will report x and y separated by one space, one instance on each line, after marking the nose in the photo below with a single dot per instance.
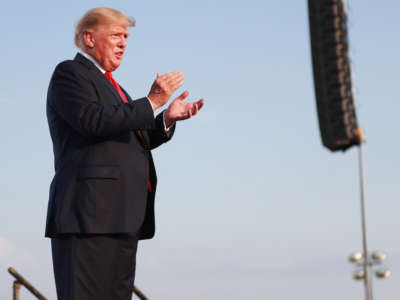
122 42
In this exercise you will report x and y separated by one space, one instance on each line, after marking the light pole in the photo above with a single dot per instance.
367 263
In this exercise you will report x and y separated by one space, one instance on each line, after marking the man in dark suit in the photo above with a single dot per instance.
102 195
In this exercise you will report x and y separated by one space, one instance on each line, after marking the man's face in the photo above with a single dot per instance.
109 44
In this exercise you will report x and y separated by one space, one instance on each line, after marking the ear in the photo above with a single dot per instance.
88 39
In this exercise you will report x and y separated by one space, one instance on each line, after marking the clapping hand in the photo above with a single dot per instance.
163 87
179 110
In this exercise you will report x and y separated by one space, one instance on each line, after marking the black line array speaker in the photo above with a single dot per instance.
332 74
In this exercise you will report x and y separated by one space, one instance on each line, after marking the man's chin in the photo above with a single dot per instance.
113 67
116 64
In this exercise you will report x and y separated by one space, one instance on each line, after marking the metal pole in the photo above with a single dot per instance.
138 293
22 281
367 276
16 288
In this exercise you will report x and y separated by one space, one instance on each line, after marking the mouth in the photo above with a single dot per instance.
119 55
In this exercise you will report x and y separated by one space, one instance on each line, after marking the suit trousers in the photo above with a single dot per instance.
94 266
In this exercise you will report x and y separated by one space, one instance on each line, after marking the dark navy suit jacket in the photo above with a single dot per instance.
102 165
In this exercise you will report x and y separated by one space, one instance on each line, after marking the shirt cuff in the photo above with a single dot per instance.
154 113
167 130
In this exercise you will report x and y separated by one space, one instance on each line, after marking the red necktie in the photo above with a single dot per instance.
121 93
116 85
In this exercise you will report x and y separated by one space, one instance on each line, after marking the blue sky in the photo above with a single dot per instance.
249 204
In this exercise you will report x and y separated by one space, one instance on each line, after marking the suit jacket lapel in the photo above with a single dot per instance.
98 75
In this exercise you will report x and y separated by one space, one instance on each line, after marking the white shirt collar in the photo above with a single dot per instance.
93 60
